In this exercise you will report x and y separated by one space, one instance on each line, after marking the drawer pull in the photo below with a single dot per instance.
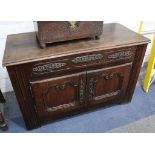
87 58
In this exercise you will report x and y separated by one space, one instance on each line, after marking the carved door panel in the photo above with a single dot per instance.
107 84
59 95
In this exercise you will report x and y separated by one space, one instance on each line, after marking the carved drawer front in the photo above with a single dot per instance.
105 57
122 54
79 61
46 67
107 84
59 95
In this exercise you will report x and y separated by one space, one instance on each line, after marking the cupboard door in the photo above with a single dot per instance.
58 95
107 84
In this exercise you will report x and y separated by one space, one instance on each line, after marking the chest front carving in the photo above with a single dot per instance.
122 54
46 68
87 58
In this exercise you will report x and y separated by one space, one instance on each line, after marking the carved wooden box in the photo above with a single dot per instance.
57 31
71 78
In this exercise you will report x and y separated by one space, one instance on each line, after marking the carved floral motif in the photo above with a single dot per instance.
121 55
82 91
41 69
91 88
87 58
108 95
60 107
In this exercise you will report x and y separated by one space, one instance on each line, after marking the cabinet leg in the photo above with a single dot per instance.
2 100
3 124
97 37
42 45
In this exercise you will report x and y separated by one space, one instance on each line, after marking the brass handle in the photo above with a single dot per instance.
73 24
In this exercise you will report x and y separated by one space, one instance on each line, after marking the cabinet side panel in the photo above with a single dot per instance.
139 56
24 101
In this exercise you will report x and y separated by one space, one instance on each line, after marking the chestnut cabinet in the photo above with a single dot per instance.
68 78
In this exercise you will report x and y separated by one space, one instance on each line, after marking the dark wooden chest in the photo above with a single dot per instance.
69 78
57 31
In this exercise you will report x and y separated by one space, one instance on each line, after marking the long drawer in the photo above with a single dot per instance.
80 61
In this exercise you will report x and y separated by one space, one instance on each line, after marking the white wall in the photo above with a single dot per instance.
148 31
5 29
20 27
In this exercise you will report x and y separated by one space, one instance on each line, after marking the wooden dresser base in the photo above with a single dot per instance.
71 78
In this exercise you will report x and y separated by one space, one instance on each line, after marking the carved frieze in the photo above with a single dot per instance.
87 58
61 107
46 68
108 95
91 88
121 55
82 91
